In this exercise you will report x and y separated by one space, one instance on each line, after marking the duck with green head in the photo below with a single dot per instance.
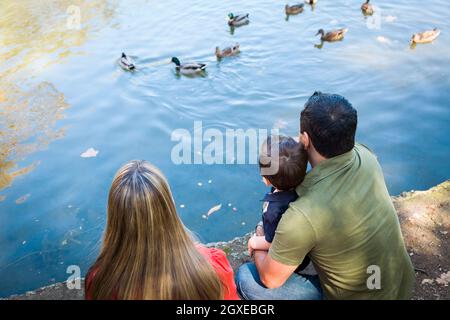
126 63
188 68
238 20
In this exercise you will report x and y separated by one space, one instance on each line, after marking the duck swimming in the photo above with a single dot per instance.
126 63
227 52
188 68
335 35
294 9
367 8
238 20
426 36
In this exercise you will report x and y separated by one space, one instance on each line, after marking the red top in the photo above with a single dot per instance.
215 257
218 259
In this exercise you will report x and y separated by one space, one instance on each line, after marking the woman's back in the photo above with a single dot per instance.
147 252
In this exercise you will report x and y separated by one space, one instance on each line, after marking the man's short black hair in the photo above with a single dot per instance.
330 121
292 161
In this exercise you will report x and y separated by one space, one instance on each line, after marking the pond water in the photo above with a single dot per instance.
62 93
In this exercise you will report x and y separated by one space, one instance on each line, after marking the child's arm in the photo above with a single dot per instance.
258 243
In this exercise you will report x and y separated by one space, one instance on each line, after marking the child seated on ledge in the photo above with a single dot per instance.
291 161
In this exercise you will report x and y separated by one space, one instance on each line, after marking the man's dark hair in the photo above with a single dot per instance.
292 161
330 121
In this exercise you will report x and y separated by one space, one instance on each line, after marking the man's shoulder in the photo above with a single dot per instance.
364 151
297 211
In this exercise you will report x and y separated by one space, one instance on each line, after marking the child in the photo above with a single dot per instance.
292 160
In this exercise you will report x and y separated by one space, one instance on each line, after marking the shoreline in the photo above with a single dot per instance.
425 221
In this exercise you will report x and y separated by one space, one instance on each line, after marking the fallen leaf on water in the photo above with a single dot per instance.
89 153
22 199
390 18
444 279
214 209
382 39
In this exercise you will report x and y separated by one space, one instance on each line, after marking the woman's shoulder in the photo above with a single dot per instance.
219 261
214 256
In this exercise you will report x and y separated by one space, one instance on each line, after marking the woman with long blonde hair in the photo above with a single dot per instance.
147 252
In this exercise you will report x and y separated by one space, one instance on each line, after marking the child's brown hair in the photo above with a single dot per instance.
292 161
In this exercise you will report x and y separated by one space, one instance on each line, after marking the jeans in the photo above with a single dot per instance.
296 287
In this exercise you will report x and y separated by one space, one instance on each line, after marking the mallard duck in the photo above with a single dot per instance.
311 2
126 63
238 20
367 8
294 9
425 37
334 35
227 52
188 68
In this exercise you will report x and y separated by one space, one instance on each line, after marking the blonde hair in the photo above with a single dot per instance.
147 252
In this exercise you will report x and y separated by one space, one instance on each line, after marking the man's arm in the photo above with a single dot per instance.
258 243
294 239
272 273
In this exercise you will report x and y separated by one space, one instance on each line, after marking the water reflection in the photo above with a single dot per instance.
27 124
34 35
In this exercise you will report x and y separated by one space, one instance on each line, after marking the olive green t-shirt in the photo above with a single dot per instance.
345 221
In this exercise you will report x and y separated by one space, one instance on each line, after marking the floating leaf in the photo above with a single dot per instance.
89 153
390 18
22 199
214 209
382 39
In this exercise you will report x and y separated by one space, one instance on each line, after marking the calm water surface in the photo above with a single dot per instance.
62 93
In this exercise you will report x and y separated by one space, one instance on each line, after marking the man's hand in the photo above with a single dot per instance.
259 231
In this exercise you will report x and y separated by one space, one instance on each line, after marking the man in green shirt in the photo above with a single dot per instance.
344 220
